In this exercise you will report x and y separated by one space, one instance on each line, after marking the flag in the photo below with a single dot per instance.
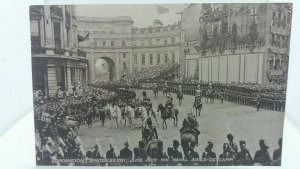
162 10
83 38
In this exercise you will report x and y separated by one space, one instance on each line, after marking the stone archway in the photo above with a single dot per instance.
111 68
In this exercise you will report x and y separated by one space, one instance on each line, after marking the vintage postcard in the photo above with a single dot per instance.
160 84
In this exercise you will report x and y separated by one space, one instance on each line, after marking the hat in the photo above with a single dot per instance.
242 142
210 145
262 144
229 136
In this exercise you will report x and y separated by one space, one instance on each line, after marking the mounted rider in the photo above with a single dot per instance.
144 96
169 105
148 105
198 95
190 124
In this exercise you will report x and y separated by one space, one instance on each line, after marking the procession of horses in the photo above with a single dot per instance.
58 121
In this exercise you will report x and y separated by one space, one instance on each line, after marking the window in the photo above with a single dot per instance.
166 58
173 57
123 42
124 55
35 33
135 58
124 65
166 41
151 59
57 39
143 59
72 75
112 43
158 58
173 40
60 77
103 43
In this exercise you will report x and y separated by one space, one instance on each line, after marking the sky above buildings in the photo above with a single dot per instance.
142 15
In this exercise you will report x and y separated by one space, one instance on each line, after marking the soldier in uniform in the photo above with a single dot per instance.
208 156
232 146
149 132
126 153
244 157
277 154
227 157
176 153
262 156
258 100
169 105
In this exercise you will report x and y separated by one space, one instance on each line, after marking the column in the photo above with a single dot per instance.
117 63
64 31
242 68
260 68
49 42
91 60
42 31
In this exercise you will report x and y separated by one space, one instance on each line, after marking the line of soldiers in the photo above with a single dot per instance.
272 97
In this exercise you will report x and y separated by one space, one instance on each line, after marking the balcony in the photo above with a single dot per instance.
37 50
276 72
59 51
81 53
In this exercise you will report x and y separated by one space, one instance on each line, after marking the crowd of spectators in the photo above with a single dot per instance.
149 73
71 152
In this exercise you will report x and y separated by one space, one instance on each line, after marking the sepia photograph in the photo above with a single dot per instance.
198 84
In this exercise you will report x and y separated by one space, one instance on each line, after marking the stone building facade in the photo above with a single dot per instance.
241 42
126 48
57 62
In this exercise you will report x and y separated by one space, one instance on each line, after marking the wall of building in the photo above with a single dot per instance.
268 57
52 51
139 42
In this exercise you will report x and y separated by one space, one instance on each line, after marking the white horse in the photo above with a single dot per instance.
116 115
129 114
142 113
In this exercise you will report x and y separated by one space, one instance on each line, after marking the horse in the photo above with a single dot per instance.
155 92
198 106
180 97
210 95
165 91
128 114
141 112
187 139
116 115
152 146
165 116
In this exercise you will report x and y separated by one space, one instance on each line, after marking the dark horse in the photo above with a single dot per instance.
188 138
210 95
165 91
165 115
155 91
180 97
198 106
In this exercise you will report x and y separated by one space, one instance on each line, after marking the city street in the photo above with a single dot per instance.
216 121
